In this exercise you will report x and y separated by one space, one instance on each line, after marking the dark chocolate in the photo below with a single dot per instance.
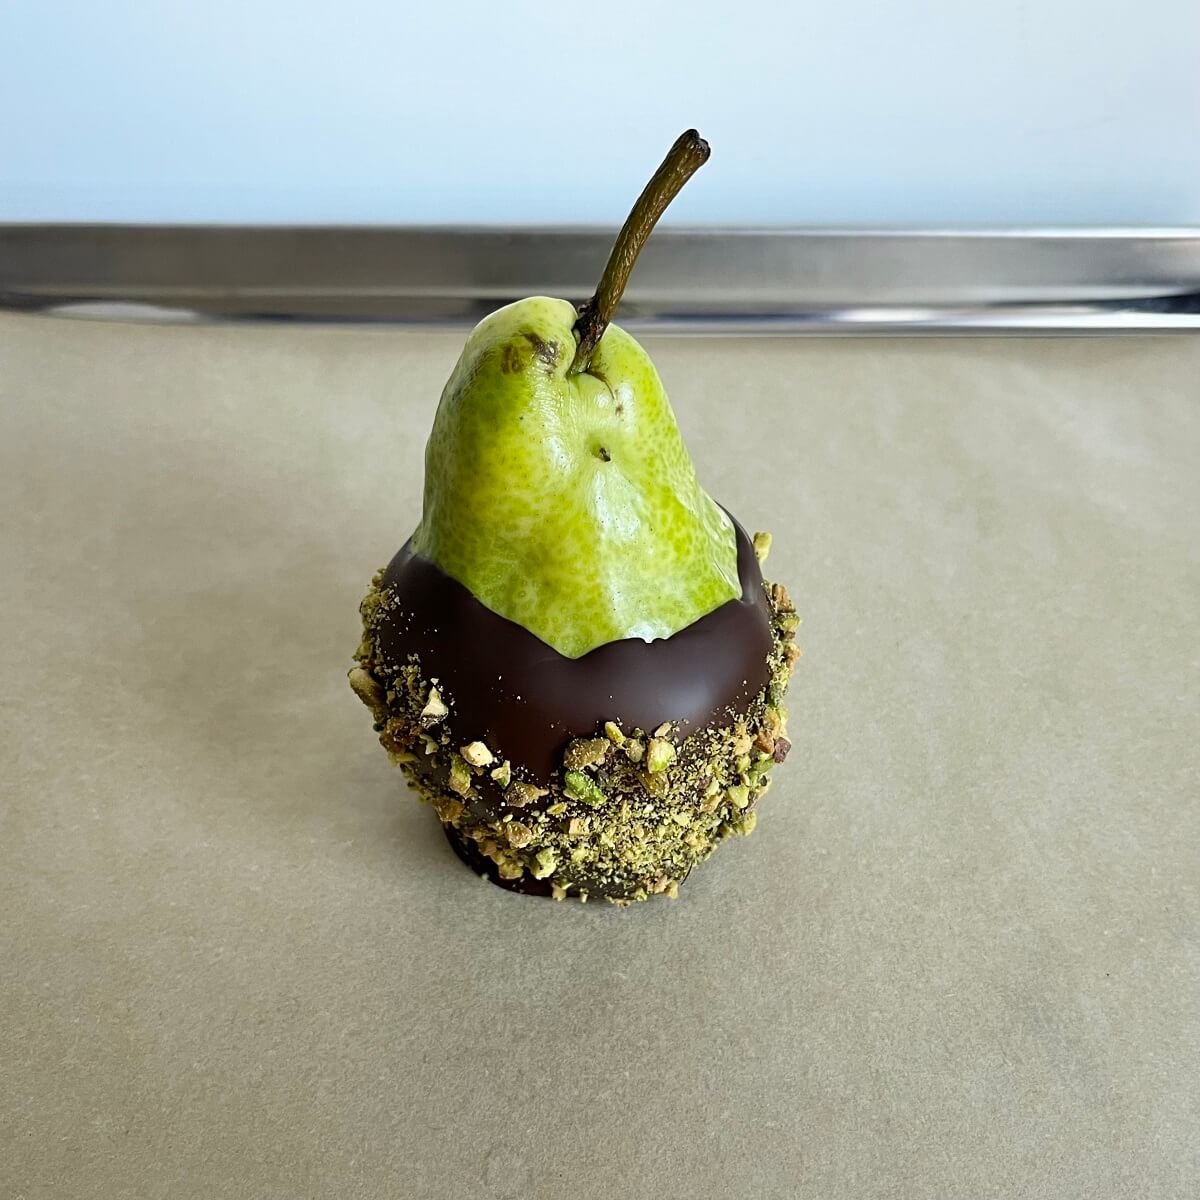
525 701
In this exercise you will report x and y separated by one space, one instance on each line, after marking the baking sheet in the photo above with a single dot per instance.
960 955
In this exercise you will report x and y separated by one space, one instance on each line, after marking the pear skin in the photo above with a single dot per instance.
568 503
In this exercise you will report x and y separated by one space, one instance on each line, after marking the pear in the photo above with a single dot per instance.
558 489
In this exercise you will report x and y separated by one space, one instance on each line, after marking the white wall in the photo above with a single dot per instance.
837 111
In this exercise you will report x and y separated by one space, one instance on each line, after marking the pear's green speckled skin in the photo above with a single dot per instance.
568 503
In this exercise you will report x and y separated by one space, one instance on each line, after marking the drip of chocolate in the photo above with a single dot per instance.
525 701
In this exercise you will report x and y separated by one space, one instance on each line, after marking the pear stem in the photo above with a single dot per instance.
684 159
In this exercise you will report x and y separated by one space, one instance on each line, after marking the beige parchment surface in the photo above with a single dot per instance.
960 957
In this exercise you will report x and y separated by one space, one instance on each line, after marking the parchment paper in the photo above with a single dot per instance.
960 956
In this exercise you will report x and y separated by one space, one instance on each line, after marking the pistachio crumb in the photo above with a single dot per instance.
503 773
663 730
634 750
762 546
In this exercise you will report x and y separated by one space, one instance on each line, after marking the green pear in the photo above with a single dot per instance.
565 499
557 488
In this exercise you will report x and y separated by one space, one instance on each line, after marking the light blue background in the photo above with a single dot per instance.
844 111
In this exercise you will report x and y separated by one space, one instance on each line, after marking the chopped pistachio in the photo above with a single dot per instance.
585 752
366 688
518 834
663 730
781 599
656 785
579 787
502 774
739 795
544 864
659 755
746 823
762 546
520 793
460 775
449 809
477 754
759 770
578 826
612 731
681 818
634 750
789 623
557 892
435 709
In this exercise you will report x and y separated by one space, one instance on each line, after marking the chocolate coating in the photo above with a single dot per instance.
524 700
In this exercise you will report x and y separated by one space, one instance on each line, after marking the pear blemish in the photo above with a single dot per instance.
581 671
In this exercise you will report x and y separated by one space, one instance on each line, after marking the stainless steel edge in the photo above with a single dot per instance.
737 280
